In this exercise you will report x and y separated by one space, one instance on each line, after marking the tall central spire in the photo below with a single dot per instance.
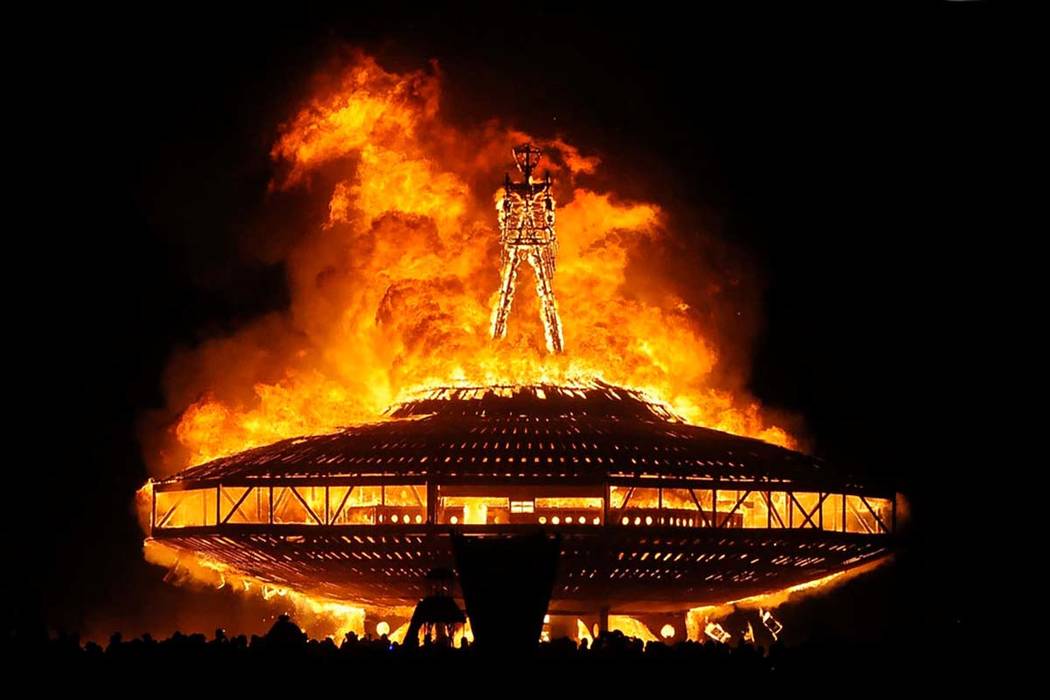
526 232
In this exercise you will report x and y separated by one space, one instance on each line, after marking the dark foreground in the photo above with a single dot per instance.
608 659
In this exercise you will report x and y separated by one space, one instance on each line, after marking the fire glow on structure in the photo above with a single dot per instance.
676 492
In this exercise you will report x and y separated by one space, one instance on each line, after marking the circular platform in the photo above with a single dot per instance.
654 514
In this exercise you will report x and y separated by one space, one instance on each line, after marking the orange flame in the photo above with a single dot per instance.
392 288
332 618
699 620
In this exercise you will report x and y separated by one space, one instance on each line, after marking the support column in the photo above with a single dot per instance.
432 496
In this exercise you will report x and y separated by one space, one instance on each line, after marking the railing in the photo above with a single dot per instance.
406 506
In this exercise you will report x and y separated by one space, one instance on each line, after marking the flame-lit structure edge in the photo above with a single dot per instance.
762 518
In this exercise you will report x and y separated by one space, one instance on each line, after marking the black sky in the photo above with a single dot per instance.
847 155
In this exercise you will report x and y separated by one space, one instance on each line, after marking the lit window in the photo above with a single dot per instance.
522 506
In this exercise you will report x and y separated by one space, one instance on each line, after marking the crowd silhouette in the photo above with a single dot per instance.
286 644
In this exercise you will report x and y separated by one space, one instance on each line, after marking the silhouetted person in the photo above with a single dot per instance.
285 634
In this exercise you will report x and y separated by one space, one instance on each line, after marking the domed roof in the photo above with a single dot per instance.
538 431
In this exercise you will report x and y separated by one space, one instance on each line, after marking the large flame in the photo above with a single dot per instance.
393 290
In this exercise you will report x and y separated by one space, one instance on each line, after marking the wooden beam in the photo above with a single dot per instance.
306 505
236 505
334 516
807 518
167 516
773 510
735 507
860 518
877 518
699 507
419 500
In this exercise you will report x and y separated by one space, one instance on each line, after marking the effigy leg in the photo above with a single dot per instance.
548 304
508 276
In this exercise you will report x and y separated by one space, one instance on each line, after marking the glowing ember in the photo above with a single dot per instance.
771 623
716 632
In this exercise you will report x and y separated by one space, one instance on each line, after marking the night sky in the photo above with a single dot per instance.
844 156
